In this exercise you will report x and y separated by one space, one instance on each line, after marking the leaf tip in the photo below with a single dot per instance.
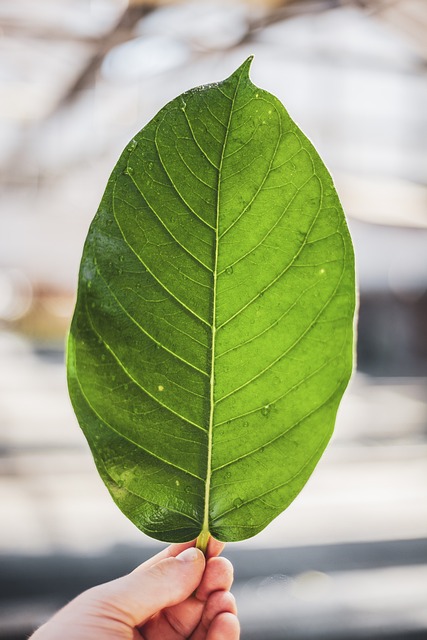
243 70
245 67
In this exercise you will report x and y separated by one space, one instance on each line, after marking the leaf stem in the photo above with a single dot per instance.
203 540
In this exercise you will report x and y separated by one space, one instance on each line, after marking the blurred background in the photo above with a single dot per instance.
78 78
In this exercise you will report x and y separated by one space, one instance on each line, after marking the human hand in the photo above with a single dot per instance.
175 595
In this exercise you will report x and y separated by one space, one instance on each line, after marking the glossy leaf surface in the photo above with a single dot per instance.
213 333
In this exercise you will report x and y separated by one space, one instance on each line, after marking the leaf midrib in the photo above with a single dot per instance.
204 534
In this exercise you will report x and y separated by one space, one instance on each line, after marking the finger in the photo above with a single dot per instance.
183 618
136 597
214 548
170 552
218 603
218 576
224 627
174 623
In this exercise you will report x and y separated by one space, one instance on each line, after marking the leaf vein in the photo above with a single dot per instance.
164 225
290 348
129 375
202 151
273 324
283 433
259 188
288 266
156 504
164 287
279 486
145 332
136 444
270 231
175 188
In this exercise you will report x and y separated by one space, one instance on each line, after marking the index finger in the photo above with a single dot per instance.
214 549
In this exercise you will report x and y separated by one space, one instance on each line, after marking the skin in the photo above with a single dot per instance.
176 594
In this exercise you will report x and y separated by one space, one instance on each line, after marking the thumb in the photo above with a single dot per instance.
139 595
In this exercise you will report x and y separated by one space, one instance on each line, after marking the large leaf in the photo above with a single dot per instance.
212 338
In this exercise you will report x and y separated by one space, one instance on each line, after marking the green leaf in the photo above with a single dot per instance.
213 333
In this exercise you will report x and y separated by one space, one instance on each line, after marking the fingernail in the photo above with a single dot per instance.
189 555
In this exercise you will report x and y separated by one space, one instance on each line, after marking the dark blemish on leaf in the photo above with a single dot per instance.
265 411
